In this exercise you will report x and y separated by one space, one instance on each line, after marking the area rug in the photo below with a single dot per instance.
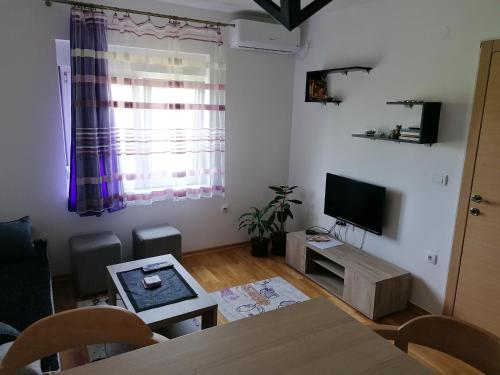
256 298
102 351
234 303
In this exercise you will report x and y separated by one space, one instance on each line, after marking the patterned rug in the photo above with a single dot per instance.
256 298
234 303
102 351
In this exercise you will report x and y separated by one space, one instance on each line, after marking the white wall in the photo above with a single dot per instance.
419 49
258 121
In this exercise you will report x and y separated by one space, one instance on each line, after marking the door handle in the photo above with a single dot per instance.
476 198
474 211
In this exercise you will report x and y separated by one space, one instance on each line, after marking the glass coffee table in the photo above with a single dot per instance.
163 316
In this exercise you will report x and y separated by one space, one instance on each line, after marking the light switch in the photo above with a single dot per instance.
440 179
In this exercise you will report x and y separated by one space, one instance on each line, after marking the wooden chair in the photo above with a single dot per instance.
462 340
77 328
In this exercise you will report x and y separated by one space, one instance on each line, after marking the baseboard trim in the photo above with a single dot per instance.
216 249
419 309
67 276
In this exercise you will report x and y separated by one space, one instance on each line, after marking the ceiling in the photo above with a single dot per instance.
236 6
229 6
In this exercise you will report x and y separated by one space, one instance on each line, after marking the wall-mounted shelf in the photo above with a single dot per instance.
328 100
377 138
344 71
317 85
425 133
407 103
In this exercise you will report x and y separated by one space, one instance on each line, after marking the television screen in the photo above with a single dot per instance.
357 203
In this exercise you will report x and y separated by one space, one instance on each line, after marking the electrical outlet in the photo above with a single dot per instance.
431 258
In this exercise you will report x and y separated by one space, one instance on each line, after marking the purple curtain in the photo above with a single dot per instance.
95 180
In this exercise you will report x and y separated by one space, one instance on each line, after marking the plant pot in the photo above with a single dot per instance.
259 247
278 241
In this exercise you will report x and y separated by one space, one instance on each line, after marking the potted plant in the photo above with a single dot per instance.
281 212
258 221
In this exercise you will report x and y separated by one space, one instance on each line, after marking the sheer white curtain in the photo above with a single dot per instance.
169 105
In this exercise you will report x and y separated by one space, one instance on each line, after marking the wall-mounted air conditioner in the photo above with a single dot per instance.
264 37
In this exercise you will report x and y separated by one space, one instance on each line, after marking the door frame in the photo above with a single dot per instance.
487 50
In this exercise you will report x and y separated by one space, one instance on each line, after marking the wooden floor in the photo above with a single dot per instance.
230 267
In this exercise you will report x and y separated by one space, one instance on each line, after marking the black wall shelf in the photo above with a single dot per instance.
344 71
407 103
329 100
326 101
429 123
384 138
316 83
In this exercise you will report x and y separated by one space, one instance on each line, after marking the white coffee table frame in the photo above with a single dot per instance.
160 317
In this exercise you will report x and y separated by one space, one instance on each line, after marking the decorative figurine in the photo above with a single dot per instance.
395 133
370 132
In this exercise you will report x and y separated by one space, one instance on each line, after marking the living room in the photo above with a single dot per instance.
376 74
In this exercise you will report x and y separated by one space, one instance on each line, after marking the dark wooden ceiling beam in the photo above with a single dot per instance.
289 9
290 13
270 7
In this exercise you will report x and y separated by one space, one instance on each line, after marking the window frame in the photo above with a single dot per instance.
64 77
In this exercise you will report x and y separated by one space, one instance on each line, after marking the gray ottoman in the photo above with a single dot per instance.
90 254
157 240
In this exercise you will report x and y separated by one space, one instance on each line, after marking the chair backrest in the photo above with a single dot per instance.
462 340
76 328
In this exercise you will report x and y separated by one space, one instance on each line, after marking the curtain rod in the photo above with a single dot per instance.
125 10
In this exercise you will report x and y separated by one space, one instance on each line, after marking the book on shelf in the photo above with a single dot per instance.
413 139
410 130
414 135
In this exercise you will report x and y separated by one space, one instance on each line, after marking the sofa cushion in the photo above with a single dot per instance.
7 333
15 240
26 294
32 369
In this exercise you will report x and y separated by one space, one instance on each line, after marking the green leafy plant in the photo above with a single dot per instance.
281 206
257 220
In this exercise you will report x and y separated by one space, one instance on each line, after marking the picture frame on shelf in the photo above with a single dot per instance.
316 87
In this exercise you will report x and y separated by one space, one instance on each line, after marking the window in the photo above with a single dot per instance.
169 121
160 127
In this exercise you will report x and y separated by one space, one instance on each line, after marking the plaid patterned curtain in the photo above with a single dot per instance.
95 181
169 107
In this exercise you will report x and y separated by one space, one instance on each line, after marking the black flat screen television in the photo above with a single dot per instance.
355 202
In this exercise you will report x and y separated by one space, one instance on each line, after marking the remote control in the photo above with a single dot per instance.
156 267
312 232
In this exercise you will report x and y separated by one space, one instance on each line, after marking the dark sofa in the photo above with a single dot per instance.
27 294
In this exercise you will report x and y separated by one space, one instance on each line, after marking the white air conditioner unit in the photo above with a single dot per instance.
265 37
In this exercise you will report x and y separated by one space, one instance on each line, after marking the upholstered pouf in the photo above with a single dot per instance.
157 240
90 254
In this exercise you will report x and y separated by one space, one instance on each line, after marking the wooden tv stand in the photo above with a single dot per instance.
371 285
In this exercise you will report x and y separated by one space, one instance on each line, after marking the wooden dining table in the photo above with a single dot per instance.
313 337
